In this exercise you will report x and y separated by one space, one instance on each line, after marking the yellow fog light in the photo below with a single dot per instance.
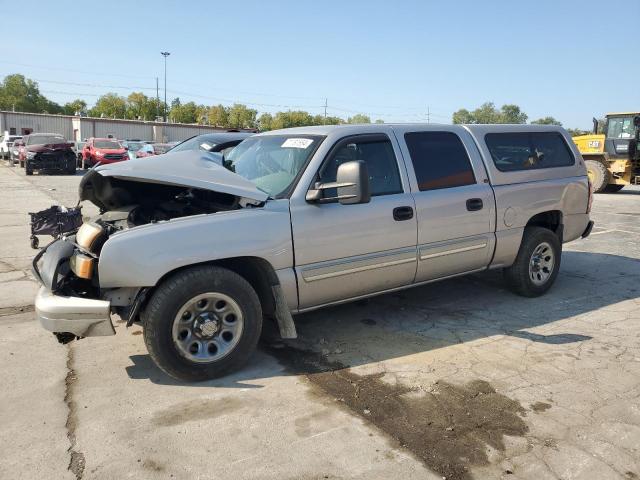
81 265
89 236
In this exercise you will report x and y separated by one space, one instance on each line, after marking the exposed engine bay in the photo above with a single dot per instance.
128 203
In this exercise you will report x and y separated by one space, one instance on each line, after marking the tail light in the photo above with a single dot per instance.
590 201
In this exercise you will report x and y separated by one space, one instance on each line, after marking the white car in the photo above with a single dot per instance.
6 144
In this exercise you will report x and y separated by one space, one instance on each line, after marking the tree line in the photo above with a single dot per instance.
509 113
22 94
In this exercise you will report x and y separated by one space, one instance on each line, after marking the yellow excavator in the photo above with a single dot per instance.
612 157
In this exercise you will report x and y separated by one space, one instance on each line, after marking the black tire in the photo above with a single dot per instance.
70 160
599 174
518 276
613 188
169 298
27 168
79 161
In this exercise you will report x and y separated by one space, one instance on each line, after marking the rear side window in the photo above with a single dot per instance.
513 152
439 160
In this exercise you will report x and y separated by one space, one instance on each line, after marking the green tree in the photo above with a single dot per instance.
322 120
512 114
184 113
241 116
139 106
488 113
359 118
574 132
23 95
462 116
265 122
546 121
76 106
218 116
292 118
110 105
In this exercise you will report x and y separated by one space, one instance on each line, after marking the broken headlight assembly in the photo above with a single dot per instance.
91 236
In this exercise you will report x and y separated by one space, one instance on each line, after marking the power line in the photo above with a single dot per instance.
323 107
67 70
365 107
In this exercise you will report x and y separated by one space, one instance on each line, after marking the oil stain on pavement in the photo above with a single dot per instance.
448 427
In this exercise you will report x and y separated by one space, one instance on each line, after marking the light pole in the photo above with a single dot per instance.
165 55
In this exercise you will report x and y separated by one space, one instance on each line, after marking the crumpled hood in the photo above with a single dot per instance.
194 169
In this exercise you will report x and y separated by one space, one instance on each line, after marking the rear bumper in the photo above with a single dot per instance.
82 317
587 231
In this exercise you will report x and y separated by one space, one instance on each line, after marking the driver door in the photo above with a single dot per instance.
347 251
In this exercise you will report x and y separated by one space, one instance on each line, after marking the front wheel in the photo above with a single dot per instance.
598 174
202 323
537 263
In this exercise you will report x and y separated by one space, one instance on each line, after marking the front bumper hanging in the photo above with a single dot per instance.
83 317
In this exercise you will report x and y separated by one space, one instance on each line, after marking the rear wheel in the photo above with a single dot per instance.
598 174
537 263
202 323
28 169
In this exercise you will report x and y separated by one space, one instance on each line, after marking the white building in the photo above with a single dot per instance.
80 128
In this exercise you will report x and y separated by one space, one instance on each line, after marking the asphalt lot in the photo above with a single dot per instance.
459 379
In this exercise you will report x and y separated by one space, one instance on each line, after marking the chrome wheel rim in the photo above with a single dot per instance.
541 264
207 327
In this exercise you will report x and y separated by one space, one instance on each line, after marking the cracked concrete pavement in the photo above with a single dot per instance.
544 388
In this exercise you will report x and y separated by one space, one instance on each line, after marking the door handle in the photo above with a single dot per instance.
402 213
474 204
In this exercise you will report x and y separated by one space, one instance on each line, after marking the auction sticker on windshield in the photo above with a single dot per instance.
297 143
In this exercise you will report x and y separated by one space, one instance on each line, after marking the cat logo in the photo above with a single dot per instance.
594 143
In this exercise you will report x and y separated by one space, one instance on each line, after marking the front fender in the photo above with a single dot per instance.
141 256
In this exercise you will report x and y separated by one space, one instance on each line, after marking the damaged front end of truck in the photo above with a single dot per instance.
131 195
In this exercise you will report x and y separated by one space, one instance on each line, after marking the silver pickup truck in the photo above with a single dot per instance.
200 249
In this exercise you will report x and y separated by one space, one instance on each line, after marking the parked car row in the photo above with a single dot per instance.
52 152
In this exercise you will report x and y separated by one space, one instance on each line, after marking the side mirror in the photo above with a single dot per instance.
352 185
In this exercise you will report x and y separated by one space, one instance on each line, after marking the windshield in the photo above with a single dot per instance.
272 162
43 140
194 143
620 127
134 146
106 144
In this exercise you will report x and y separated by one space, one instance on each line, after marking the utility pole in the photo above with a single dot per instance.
325 111
165 55
157 99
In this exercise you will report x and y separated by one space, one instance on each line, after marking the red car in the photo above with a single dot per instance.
103 150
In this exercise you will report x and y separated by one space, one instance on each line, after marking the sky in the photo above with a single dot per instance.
392 60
